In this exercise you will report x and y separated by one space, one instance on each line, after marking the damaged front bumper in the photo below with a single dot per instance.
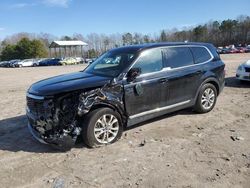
59 141
43 126
56 120
35 134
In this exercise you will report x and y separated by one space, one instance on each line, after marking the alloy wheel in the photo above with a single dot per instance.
208 98
106 128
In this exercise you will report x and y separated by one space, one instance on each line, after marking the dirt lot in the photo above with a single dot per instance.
183 149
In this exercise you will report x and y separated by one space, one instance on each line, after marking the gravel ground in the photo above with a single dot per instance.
182 149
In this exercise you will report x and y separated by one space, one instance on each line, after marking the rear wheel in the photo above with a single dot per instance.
206 99
102 126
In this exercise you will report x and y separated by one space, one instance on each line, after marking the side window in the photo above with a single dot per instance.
201 54
178 57
150 61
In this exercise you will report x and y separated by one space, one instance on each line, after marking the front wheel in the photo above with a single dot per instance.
206 99
102 126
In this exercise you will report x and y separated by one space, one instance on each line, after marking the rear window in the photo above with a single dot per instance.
201 54
178 57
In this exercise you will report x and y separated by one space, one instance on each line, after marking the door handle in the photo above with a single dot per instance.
198 72
163 80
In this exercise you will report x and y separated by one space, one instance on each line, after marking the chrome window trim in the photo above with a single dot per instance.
159 109
195 64
169 68
35 96
210 53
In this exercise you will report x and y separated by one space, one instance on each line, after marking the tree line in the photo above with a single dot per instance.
220 33
24 49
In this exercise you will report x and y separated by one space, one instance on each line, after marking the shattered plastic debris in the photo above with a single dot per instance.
235 138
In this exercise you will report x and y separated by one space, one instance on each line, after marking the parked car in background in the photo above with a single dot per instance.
219 50
79 60
13 62
224 51
26 63
241 49
50 62
233 50
38 61
247 49
89 61
68 61
243 71
3 63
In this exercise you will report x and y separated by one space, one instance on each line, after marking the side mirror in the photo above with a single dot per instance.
133 73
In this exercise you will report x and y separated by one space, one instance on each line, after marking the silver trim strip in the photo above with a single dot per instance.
158 109
35 96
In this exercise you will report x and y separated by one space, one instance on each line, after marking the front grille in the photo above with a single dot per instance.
247 69
35 106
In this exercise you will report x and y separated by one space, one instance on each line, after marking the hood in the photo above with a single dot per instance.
67 83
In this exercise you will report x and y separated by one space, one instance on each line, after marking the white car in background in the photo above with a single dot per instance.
79 60
243 71
26 63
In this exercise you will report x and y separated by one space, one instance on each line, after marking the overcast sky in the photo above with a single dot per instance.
66 17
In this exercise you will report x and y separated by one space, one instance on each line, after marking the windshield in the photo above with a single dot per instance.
111 63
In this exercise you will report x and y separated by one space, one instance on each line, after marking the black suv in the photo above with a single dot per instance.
121 88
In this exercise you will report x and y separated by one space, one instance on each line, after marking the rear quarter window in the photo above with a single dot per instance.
178 57
200 54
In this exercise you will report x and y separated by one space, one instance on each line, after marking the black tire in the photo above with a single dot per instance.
90 121
243 81
199 107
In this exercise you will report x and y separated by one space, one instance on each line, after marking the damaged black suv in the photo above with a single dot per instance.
121 88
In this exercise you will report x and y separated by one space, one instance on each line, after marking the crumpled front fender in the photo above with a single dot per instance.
110 95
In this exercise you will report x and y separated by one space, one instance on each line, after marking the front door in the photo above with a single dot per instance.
144 93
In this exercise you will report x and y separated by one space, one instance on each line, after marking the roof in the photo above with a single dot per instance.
141 47
63 43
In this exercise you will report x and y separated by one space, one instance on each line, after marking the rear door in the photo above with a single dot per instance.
182 75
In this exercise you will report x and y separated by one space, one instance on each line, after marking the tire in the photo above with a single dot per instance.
206 99
243 81
94 122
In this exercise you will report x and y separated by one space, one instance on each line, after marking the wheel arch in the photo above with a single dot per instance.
210 80
113 107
